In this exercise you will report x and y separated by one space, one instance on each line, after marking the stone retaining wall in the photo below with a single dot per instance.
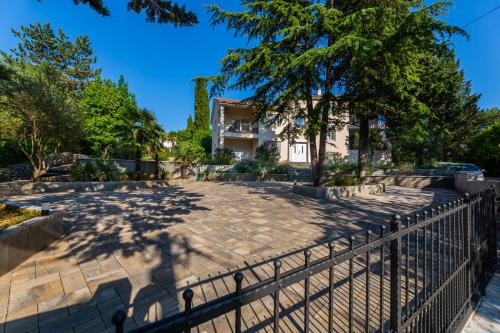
413 181
249 177
465 185
27 187
21 241
333 193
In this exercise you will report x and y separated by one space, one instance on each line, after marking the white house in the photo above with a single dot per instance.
233 127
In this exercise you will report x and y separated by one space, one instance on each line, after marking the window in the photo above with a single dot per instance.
332 135
299 122
380 120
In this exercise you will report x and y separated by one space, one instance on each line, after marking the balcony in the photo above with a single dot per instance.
373 124
240 129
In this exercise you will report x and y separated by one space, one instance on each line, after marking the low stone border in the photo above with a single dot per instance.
249 177
27 188
413 181
333 193
23 240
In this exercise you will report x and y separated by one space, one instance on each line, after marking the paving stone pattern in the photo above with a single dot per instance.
139 249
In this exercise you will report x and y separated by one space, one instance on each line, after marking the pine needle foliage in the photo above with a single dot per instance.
367 56
159 11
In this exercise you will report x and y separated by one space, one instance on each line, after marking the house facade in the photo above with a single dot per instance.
233 127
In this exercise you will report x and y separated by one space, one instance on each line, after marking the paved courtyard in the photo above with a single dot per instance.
138 249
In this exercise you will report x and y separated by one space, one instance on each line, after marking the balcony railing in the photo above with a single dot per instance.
243 128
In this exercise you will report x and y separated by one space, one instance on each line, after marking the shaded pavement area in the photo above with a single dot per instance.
486 319
139 249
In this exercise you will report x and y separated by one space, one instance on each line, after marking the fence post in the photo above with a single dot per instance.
467 245
395 278
118 320
493 225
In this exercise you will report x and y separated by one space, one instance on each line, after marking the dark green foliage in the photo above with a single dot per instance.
443 129
280 169
143 134
485 149
187 151
246 166
488 117
201 107
190 123
343 180
10 152
267 156
39 114
161 11
39 44
204 137
101 169
5 72
339 165
366 56
107 107
223 157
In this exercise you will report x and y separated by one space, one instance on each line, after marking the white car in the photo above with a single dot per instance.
473 172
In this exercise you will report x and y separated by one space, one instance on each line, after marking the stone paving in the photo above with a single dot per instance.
138 249
486 319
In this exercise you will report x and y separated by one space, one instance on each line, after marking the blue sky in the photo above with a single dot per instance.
159 61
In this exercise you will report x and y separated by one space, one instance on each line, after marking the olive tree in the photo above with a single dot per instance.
39 114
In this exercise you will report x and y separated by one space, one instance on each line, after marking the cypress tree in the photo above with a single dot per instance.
201 107
190 123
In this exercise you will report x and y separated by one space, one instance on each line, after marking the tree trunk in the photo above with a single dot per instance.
157 166
138 163
364 130
325 116
420 157
311 136
184 171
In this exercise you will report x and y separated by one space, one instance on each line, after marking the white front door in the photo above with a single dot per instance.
298 153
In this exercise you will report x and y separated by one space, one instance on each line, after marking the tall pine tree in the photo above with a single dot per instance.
201 107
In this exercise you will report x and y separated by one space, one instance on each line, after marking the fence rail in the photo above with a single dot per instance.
425 275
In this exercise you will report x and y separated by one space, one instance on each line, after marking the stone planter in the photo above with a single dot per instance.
27 187
333 193
413 181
23 240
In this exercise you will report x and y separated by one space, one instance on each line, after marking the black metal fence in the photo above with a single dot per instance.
426 274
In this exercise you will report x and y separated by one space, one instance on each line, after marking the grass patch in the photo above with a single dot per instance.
10 216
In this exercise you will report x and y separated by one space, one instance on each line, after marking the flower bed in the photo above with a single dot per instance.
10 216
20 241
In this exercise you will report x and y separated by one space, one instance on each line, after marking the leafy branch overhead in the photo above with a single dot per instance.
159 11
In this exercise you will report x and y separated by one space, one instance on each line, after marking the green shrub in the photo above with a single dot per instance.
267 153
406 168
222 157
343 180
280 169
246 166
83 171
384 166
337 164
208 176
101 169
486 149
10 153
108 170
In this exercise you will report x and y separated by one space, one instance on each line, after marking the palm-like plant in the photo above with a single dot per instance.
146 134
